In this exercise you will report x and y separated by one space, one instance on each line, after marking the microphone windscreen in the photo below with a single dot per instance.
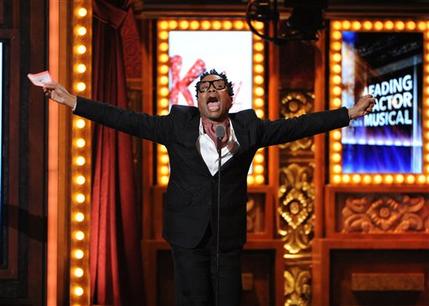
220 131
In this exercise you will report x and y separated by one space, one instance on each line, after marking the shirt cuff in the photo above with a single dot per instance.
74 106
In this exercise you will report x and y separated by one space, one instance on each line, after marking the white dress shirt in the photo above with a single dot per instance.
208 150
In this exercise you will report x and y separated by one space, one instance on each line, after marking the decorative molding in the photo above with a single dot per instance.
388 282
386 214
295 213
294 104
296 205
297 288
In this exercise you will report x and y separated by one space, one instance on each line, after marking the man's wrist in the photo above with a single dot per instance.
351 113
73 103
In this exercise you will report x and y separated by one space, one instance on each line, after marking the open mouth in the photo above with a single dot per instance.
213 104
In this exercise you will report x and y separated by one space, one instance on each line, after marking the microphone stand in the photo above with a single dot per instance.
219 149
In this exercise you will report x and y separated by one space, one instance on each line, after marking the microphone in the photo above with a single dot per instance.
220 133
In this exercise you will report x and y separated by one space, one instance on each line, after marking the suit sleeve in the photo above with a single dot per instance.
154 128
285 130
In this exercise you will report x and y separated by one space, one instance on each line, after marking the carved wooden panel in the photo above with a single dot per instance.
388 282
392 277
383 213
296 206
297 285
295 212
293 104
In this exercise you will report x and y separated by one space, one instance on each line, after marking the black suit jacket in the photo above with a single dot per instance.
192 191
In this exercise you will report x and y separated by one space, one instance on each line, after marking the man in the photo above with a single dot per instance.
190 214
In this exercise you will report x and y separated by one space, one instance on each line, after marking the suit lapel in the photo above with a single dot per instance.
190 138
242 135
190 135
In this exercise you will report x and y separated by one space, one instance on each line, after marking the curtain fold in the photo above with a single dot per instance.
115 255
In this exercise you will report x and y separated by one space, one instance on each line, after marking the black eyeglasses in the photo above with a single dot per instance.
204 86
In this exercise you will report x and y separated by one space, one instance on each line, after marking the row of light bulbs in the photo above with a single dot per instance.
204 24
380 179
80 168
257 175
379 25
336 172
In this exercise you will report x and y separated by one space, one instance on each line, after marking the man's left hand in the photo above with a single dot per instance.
362 107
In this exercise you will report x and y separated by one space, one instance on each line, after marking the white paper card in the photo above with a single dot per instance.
41 78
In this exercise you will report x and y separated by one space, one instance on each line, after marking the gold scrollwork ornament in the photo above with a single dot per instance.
297 288
294 104
385 215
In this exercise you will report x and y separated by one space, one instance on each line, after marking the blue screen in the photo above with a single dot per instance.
389 67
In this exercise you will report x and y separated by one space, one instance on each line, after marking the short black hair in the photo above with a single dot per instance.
214 72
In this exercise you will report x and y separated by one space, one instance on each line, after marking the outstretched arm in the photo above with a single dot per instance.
281 131
154 128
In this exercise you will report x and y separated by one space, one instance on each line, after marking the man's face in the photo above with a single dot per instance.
213 103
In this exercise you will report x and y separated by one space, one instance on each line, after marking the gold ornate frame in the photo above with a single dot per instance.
257 177
337 177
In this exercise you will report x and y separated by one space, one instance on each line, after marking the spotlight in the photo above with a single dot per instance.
304 23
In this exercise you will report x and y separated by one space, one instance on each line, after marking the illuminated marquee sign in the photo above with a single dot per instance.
187 48
389 145
395 102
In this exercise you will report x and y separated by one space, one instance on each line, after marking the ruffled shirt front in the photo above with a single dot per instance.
208 150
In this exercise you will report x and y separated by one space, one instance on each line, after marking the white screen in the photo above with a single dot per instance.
225 51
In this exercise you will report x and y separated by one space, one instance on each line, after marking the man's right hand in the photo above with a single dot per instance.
58 93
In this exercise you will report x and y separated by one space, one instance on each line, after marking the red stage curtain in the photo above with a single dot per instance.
115 257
